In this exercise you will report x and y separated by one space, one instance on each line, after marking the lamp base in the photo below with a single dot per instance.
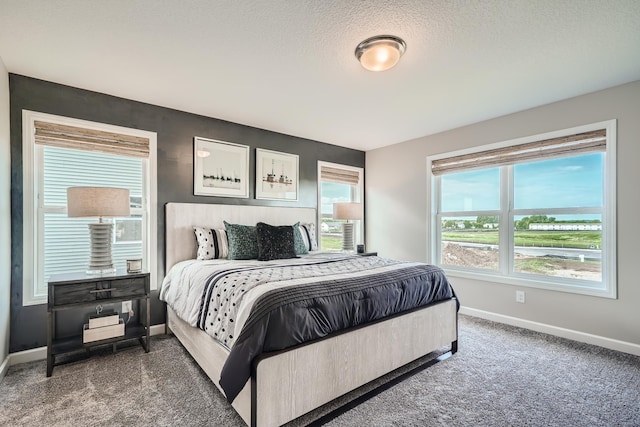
347 237
102 272
100 261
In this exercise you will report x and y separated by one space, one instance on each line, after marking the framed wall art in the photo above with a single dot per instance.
220 168
276 175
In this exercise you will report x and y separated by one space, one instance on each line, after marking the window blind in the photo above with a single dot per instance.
582 143
65 136
342 176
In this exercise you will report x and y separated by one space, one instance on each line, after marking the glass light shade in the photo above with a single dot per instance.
380 53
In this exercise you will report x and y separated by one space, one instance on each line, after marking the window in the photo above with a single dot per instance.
60 153
538 211
336 184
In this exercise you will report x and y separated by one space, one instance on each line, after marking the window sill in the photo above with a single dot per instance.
577 288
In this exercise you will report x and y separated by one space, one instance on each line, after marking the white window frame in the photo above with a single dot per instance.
507 213
33 251
359 199
134 211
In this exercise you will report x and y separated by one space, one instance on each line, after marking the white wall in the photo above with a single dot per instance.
396 212
5 214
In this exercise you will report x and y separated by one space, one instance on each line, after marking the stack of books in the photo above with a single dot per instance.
103 326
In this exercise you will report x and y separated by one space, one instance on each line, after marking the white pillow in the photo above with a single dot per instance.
308 232
212 243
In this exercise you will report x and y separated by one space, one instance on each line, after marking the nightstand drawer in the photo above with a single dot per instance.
80 292
128 287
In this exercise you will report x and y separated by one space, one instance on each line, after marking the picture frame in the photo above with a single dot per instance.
220 168
276 175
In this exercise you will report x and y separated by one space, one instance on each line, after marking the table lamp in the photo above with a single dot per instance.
348 211
101 202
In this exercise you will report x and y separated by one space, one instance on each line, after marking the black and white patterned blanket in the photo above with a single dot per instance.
226 289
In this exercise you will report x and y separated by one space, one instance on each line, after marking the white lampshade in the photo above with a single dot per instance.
97 202
352 211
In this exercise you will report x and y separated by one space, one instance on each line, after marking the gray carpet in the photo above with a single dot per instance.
501 376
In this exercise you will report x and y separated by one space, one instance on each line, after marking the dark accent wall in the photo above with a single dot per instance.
175 130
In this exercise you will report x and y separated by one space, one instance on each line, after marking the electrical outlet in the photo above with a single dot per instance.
520 297
126 306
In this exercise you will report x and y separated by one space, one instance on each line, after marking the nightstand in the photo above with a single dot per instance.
80 290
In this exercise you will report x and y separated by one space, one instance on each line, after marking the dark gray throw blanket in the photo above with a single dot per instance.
286 317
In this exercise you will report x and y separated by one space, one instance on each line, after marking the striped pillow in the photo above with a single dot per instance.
308 232
212 243
300 244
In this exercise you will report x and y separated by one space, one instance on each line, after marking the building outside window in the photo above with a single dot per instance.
66 245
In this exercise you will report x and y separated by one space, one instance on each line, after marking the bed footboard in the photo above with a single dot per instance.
292 383
288 384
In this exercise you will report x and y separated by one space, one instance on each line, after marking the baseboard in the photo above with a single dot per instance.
605 342
26 356
40 353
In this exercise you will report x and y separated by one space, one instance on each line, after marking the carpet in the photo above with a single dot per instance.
501 376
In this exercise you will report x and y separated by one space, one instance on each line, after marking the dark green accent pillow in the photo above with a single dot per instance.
298 241
243 243
275 242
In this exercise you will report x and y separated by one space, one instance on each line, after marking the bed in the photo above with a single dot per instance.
282 385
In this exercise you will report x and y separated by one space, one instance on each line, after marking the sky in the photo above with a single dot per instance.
334 193
566 182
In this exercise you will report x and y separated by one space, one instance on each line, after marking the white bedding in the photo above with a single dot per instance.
183 287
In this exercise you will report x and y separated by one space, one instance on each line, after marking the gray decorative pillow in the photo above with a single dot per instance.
308 232
243 243
212 243
301 247
275 242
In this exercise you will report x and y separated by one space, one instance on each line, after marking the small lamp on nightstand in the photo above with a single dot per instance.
349 212
99 202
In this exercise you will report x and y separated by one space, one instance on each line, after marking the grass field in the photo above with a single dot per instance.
590 270
543 239
330 243
546 239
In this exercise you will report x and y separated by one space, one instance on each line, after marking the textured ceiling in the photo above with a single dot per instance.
288 66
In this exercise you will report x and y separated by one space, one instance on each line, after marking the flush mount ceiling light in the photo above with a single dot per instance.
380 53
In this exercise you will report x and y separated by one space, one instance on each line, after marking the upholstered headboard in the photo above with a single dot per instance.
180 241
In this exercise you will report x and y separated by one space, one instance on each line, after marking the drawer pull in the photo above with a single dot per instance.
96 291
